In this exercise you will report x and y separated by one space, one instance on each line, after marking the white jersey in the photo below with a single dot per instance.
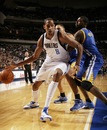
54 49
57 57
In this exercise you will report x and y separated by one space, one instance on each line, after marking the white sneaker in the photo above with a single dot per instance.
45 117
31 105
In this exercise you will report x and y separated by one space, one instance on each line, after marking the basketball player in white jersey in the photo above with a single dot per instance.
55 64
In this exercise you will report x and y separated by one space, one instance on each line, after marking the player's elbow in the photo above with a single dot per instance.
80 47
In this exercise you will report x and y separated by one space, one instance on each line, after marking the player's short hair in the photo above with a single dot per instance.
47 19
85 19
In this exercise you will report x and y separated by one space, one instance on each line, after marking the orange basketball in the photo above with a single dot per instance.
7 76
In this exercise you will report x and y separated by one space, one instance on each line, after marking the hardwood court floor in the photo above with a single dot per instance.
14 117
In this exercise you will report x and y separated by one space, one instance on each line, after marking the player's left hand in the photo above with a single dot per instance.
73 70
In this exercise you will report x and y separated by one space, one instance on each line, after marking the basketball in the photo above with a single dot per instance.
7 76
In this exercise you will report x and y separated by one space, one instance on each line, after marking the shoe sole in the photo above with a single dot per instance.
77 109
45 119
30 107
88 107
60 102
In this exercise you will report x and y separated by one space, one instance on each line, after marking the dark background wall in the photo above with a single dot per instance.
59 3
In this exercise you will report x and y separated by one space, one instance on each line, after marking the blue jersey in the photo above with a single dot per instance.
92 59
89 44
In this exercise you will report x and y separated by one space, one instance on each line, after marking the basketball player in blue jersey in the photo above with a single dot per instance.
62 98
90 64
55 65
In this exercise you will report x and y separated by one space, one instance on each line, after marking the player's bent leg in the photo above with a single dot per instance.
87 85
62 98
94 90
88 104
50 92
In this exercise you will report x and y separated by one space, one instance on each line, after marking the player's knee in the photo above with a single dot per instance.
78 83
86 85
57 74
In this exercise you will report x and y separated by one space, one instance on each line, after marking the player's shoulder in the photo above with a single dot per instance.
79 33
40 40
70 35
41 37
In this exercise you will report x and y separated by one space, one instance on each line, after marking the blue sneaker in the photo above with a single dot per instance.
78 105
45 116
89 105
105 118
31 105
61 100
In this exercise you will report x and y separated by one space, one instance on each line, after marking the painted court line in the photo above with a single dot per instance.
89 118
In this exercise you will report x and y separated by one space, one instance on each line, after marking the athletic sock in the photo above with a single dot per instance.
62 94
77 96
35 95
50 92
88 100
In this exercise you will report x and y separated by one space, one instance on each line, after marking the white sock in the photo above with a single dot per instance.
50 92
35 95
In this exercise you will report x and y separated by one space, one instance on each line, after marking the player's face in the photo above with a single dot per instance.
79 23
49 27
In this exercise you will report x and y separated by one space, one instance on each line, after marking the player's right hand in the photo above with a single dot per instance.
73 70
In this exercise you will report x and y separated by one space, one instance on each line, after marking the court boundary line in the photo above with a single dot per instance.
89 118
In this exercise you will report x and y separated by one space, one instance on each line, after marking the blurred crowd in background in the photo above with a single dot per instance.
24 22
